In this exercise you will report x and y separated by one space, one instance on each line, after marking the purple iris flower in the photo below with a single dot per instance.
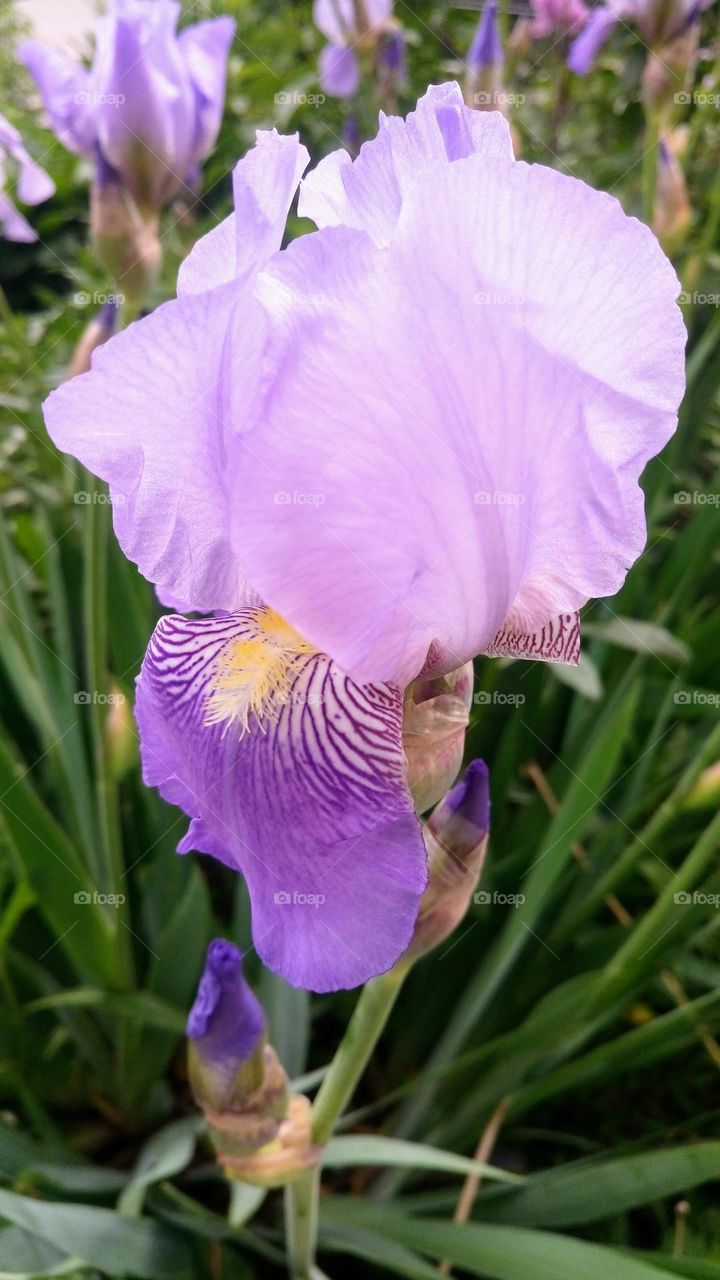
413 436
151 104
33 184
348 25
658 22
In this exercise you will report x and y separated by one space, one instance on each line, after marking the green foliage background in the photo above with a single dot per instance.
587 1015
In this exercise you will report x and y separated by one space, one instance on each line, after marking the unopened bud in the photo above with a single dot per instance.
456 836
126 244
435 718
706 792
100 328
672 214
483 83
670 68
260 1133
121 741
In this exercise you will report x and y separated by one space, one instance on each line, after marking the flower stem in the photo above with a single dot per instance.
363 1032
649 164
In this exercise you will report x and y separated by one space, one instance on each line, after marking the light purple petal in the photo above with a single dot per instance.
335 18
64 87
339 70
154 418
491 389
588 44
311 805
367 193
144 99
12 224
33 185
205 48
264 185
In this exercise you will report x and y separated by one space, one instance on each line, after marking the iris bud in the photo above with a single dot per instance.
260 1133
97 331
126 244
672 214
456 836
435 718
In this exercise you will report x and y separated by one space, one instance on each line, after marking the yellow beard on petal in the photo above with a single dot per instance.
253 673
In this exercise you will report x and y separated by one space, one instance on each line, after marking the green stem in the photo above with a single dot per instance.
363 1032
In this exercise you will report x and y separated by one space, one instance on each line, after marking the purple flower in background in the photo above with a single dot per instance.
33 184
659 23
150 107
348 26
413 436
558 17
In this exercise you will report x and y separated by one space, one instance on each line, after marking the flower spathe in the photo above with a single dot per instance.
33 184
150 106
413 436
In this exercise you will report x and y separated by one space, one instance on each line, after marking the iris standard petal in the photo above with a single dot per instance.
367 193
264 185
65 91
491 387
295 776
204 48
153 419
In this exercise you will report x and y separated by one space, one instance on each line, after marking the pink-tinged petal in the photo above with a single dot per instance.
311 804
367 193
154 418
339 70
205 47
557 641
491 387
264 185
64 87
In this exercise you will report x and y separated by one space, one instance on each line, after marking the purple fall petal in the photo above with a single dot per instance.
339 71
310 801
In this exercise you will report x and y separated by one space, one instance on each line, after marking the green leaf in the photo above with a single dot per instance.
167 1153
101 1238
641 637
495 1252
584 678
360 1149
577 1194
